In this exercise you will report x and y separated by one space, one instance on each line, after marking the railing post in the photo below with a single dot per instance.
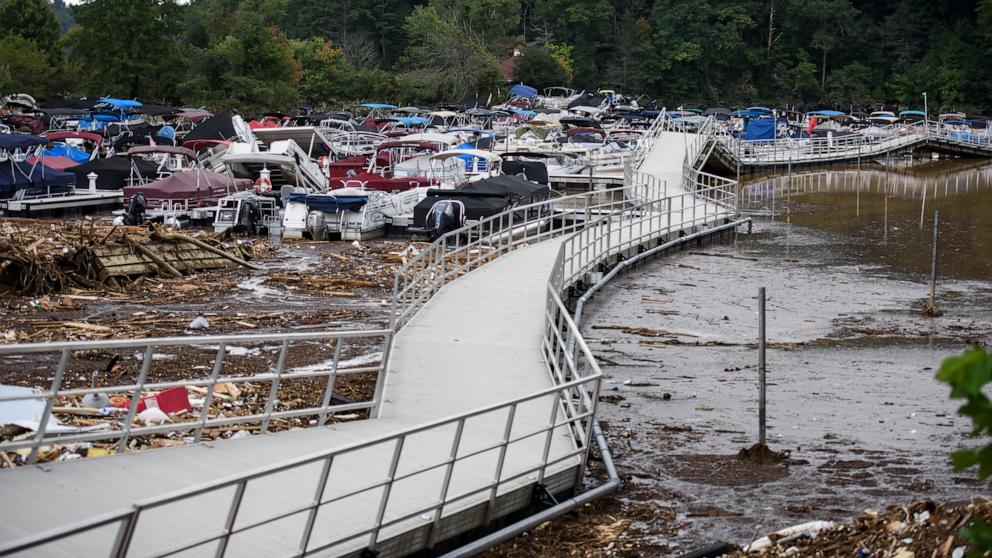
39 436
146 363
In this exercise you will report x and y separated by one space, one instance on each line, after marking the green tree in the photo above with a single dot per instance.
127 48
826 23
33 20
443 61
492 22
248 64
539 68
321 68
24 68
969 375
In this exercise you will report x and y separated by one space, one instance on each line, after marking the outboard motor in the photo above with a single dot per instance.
134 213
448 215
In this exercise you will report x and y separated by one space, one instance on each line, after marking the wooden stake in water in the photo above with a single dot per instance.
761 366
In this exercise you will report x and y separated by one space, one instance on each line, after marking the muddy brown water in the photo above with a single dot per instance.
851 363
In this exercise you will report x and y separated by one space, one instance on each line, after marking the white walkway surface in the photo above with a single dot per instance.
476 343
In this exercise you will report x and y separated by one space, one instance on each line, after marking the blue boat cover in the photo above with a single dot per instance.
10 142
67 151
14 177
379 106
760 129
329 203
525 91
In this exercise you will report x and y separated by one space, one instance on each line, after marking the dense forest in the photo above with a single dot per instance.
281 54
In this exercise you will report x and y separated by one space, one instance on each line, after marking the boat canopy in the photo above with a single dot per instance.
826 113
120 104
763 110
525 91
919 113
13 142
748 114
87 136
409 121
217 127
35 179
329 203
112 173
467 154
378 106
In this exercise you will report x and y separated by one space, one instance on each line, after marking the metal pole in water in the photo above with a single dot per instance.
761 365
885 234
923 207
933 262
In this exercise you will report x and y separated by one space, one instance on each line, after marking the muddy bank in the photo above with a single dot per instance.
852 399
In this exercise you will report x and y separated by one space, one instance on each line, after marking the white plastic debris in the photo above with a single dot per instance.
240 434
958 552
153 416
199 323
809 529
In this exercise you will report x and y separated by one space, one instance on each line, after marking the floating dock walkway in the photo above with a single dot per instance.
485 410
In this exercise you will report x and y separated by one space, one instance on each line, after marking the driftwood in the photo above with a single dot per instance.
199 243
162 264
38 258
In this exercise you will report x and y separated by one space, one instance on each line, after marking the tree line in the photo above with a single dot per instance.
255 55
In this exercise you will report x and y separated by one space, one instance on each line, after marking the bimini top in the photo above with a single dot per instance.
378 106
12 142
409 121
525 91
826 113
749 114
763 110
919 113
120 104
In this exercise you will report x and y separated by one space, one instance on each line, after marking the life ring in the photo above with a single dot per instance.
263 185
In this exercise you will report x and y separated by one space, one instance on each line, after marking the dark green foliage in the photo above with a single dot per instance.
844 54
969 376
127 48
538 68
34 20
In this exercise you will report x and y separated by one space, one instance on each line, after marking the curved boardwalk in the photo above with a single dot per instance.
477 342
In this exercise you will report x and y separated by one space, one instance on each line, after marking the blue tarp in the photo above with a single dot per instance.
329 203
44 180
525 91
11 142
760 129
67 151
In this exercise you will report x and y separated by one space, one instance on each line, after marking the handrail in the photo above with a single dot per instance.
121 428
603 225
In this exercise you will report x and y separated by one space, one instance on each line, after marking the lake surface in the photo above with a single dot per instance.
851 359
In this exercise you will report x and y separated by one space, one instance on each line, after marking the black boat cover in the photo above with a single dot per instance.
113 172
217 127
535 171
